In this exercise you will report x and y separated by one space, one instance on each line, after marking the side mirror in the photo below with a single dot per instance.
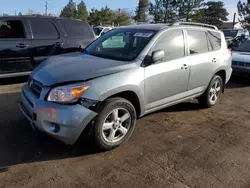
157 56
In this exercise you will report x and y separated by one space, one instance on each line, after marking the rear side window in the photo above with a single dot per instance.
198 42
172 42
11 29
75 28
43 29
215 39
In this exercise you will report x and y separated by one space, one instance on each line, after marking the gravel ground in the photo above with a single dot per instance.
181 146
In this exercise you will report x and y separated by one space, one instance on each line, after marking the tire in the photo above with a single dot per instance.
115 131
206 100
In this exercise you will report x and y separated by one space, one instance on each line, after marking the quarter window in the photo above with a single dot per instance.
172 42
43 29
76 28
198 42
11 29
215 39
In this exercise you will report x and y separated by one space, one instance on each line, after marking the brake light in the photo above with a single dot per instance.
229 51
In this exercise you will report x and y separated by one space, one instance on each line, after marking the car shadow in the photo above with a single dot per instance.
238 81
20 144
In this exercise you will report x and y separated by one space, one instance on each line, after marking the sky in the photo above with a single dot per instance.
55 6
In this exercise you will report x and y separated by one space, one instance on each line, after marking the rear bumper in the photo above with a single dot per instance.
43 115
228 74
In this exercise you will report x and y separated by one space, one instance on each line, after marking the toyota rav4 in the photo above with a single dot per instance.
123 75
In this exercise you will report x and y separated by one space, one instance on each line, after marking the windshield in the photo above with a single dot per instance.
120 44
97 30
230 33
244 47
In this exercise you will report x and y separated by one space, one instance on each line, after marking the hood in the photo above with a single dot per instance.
76 67
241 56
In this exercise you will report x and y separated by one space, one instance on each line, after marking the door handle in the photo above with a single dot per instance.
58 43
214 60
22 45
185 66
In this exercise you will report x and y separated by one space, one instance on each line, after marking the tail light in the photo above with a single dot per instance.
229 51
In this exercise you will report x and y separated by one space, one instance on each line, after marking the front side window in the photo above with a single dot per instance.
197 41
121 44
172 42
10 29
43 29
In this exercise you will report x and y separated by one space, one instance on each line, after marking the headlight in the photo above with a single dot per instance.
67 94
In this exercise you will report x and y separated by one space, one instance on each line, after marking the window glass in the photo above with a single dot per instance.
11 29
198 42
43 29
244 47
76 28
230 33
215 39
172 42
120 44
97 30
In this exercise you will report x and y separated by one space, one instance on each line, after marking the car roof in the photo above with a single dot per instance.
161 26
147 26
40 17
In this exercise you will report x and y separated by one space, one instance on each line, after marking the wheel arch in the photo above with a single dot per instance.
132 94
222 74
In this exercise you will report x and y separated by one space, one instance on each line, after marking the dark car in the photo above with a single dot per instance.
241 58
26 41
235 37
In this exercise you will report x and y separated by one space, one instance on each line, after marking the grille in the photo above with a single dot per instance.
243 64
35 86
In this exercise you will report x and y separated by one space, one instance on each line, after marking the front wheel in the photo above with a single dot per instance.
115 123
213 92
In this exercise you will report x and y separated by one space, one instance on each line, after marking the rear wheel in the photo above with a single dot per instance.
213 92
115 123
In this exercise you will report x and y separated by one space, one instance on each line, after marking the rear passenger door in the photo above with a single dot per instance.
78 34
46 40
202 58
14 53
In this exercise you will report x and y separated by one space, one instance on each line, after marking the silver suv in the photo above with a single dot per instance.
123 75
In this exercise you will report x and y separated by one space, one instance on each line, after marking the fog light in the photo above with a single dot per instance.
55 128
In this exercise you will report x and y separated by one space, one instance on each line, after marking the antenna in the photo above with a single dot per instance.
46 8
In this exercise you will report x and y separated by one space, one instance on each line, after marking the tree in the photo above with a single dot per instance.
141 11
163 10
20 14
156 11
94 17
122 18
82 12
106 16
186 8
69 11
244 11
212 12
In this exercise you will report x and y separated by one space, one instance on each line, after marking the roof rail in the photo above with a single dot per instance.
195 24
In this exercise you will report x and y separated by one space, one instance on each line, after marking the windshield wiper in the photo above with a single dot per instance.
84 51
